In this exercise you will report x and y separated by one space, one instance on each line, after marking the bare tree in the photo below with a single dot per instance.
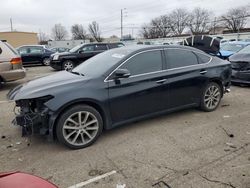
43 38
59 32
78 32
235 18
157 28
178 20
199 20
94 31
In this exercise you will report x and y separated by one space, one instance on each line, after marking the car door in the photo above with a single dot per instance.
186 77
86 52
142 93
24 52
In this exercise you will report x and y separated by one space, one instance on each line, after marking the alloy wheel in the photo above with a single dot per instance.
46 61
80 128
68 66
212 97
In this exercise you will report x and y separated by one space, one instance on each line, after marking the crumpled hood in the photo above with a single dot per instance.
240 57
48 85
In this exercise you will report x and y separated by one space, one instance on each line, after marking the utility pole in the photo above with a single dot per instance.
214 24
121 23
11 25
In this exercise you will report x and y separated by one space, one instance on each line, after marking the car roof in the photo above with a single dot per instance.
138 48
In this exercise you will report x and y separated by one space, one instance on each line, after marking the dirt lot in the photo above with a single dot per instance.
184 149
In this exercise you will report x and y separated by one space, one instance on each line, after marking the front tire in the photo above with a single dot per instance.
79 127
68 65
211 97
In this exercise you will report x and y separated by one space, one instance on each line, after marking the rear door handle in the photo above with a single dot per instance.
203 72
161 81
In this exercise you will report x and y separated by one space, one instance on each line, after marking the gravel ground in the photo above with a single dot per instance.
184 149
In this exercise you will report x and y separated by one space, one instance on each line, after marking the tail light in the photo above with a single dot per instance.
15 61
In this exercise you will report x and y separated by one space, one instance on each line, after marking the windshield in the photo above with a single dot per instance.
232 47
245 50
75 48
102 62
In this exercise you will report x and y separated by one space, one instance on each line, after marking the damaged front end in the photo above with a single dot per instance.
33 115
241 72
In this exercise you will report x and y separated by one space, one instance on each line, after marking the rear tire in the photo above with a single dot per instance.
46 61
211 97
79 126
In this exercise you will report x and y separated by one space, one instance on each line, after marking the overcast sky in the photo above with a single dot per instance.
35 15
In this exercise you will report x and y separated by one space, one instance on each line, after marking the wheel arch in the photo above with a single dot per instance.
219 82
93 104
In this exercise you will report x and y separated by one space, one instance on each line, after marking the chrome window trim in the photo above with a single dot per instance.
165 70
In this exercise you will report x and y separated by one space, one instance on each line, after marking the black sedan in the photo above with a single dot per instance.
117 87
35 54
241 66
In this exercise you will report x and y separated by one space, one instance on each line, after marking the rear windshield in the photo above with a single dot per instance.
11 48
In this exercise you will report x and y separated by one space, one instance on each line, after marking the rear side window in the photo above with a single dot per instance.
202 58
180 58
35 50
100 47
22 50
145 62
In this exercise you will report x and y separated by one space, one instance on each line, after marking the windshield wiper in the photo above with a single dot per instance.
77 73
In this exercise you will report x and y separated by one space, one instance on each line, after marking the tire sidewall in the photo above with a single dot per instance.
203 105
66 114
44 60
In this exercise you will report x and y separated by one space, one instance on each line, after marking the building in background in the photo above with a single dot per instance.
66 43
17 38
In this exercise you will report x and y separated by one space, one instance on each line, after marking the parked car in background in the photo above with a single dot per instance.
59 49
119 86
69 60
241 66
229 48
11 68
35 54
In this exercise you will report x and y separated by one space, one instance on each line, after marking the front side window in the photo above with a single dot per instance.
145 62
89 48
180 58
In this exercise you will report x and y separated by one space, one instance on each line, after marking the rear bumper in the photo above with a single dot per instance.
13 75
56 64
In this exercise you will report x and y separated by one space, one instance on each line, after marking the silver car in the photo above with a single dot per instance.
11 67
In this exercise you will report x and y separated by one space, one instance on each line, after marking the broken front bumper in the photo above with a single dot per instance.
33 116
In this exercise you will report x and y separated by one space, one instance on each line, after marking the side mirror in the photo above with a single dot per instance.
81 51
122 73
